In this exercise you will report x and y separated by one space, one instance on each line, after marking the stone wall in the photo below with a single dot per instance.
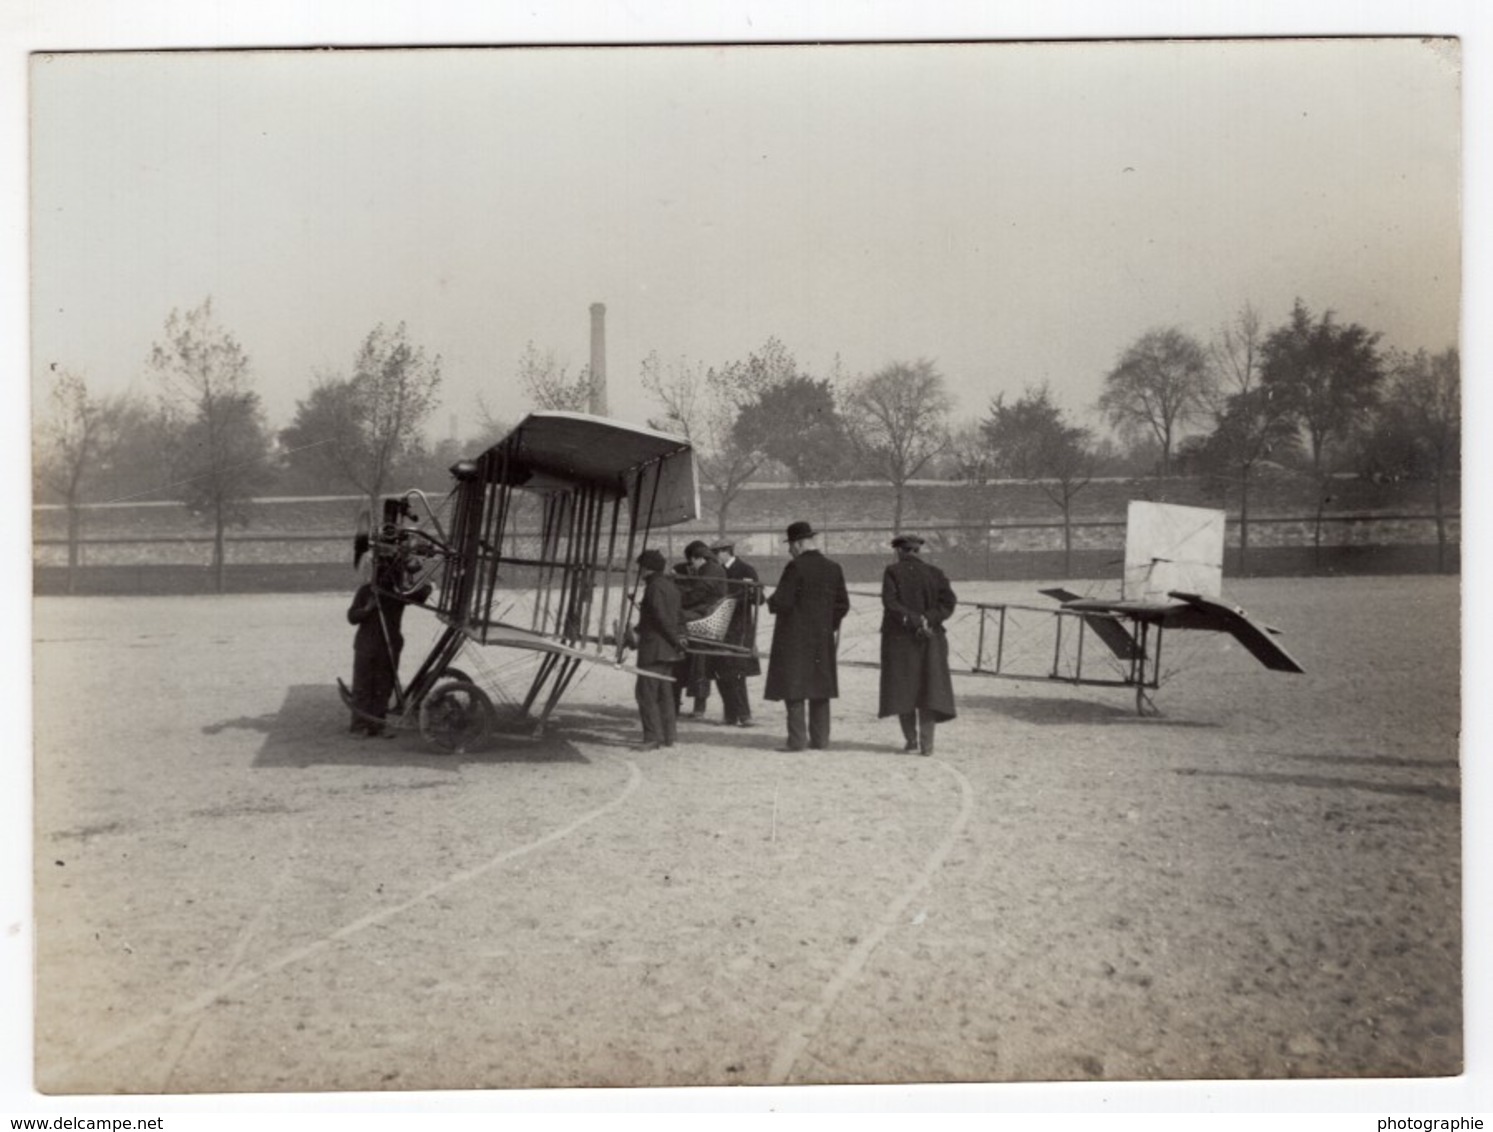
1337 531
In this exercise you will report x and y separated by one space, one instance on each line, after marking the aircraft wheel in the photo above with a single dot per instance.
456 715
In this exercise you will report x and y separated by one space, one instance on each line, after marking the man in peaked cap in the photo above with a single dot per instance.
916 600
731 672
660 643
809 603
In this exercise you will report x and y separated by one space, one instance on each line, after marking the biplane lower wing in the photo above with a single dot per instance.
1229 619
1187 611
517 637
1106 626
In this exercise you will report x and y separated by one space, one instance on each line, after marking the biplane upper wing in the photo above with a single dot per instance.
556 451
545 505
1210 614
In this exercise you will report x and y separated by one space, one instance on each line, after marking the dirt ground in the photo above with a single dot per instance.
232 894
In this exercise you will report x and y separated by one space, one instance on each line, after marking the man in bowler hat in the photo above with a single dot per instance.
731 672
660 642
916 600
809 603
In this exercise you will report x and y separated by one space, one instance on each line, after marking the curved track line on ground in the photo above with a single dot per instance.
382 915
182 1039
793 1046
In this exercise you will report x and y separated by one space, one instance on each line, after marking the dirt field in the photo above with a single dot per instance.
234 895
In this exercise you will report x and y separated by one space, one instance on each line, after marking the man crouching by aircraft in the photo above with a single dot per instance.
378 611
660 643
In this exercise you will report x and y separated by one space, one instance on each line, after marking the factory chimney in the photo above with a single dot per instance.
598 405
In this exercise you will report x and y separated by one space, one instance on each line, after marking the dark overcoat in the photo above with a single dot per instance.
381 637
742 632
660 629
379 615
809 603
702 589
914 666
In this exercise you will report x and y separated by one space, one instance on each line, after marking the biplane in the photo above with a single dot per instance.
533 549
1172 580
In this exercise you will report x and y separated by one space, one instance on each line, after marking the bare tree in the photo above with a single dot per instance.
73 444
1030 440
364 429
1158 386
1424 409
898 419
492 426
549 383
703 406
220 446
969 457
1251 423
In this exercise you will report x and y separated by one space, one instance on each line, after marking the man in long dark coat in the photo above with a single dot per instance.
731 672
915 685
660 641
809 603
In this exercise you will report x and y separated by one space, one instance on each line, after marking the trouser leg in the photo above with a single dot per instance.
798 733
669 716
648 707
365 665
926 724
697 683
734 697
380 688
909 722
656 705
819 724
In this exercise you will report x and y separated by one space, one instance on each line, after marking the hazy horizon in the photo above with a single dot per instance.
1018 213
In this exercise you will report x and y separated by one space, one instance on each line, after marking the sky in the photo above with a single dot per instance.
1017 213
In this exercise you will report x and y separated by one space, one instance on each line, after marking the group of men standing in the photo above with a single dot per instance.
692 591
808 604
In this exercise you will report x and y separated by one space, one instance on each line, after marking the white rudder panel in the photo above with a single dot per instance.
1170 547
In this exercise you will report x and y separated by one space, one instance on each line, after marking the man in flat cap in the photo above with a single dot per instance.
731 672
809 603
660 643
916 599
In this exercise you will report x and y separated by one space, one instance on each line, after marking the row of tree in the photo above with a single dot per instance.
204 440
1313 396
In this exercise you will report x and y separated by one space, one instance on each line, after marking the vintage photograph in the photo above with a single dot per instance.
746 565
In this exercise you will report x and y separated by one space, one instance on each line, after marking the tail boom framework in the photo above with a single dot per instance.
1173 575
